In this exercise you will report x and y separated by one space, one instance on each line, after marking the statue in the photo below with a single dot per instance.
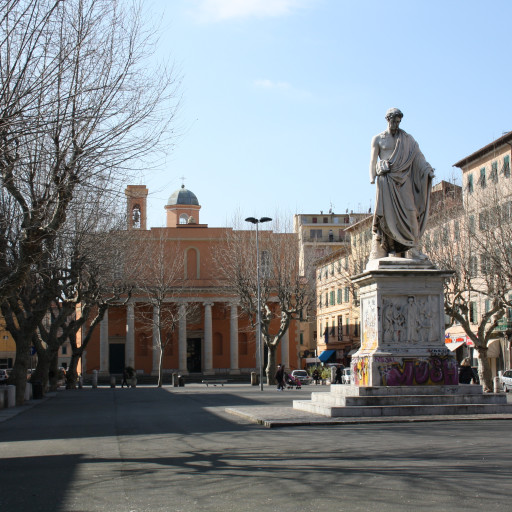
404 179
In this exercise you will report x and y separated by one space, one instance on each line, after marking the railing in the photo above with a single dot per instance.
327 239
504 325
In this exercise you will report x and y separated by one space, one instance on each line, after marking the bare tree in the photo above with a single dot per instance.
285 292
456 242
160 282
78 105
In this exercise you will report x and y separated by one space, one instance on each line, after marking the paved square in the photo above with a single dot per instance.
177 449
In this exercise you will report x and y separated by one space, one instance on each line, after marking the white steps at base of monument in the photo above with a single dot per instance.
353 401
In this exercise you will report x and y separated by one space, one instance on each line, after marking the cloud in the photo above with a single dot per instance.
283 87
221 10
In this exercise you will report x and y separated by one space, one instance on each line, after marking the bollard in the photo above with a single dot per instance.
95 379
254 379
112 381
80 382
174 380
496 382
181 381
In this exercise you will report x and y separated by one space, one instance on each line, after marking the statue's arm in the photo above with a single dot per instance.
374 155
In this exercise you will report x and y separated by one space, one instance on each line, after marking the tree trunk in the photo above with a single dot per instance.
160 366
484 370
72 373
20 367
271 364
42 369
54 371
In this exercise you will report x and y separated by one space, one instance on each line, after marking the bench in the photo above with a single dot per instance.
214 382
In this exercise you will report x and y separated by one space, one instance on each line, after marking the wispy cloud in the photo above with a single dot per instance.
220 10
283 87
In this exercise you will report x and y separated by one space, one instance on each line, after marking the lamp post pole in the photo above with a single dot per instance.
259 348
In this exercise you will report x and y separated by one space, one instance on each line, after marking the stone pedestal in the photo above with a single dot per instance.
402 326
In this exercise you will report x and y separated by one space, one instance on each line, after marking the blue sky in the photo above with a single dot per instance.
282 97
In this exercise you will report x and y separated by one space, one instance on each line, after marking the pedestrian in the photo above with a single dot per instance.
338 375
316 376
280 377
466 372
125 375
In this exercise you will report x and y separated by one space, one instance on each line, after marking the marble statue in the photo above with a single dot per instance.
404 179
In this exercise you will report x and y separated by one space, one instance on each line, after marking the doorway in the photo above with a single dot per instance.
194 355
116 357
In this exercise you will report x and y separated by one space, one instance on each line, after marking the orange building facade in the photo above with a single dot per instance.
211 336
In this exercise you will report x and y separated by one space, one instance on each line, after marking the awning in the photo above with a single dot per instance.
326 355
494 348
454 345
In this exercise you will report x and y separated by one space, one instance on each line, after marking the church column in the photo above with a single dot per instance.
182 341
285 349
129 357
155 344
104 350
208 339
233 339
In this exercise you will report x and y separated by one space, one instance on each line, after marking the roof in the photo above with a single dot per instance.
505 139
183 196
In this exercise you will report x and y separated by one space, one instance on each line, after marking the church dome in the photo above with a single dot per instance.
183 196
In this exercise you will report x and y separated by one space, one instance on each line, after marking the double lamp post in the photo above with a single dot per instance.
259 344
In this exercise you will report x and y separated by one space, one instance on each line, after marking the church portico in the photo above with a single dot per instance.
198 327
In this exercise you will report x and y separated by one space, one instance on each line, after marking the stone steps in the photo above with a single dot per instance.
359 401
354 401
367 411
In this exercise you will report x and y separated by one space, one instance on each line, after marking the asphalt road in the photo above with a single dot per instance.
176 449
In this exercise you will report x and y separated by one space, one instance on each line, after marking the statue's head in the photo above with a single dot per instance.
394 112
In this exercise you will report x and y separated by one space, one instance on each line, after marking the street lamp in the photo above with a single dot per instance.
259 351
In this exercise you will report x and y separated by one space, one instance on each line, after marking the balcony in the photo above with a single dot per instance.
504 325
326 239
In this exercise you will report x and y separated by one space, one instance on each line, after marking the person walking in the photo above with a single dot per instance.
280 377
466 372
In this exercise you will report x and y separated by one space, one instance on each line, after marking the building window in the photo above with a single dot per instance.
340 296
506 166
326 299
340 328
64 350
325 220
494 172
301 338
482 180
471 224
315 220
183 218
473 266
347 294
332 298
482 220
472 312
470 183
315 234
347 326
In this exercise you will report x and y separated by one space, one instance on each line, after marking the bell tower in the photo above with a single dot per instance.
136 209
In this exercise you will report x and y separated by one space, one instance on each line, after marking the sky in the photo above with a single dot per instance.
281 98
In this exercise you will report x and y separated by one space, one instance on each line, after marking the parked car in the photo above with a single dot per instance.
506 380
346 376
4 375
302 376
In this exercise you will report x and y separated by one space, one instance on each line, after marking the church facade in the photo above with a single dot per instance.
210 334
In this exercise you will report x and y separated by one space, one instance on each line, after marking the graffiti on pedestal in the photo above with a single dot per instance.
435 370
361 371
